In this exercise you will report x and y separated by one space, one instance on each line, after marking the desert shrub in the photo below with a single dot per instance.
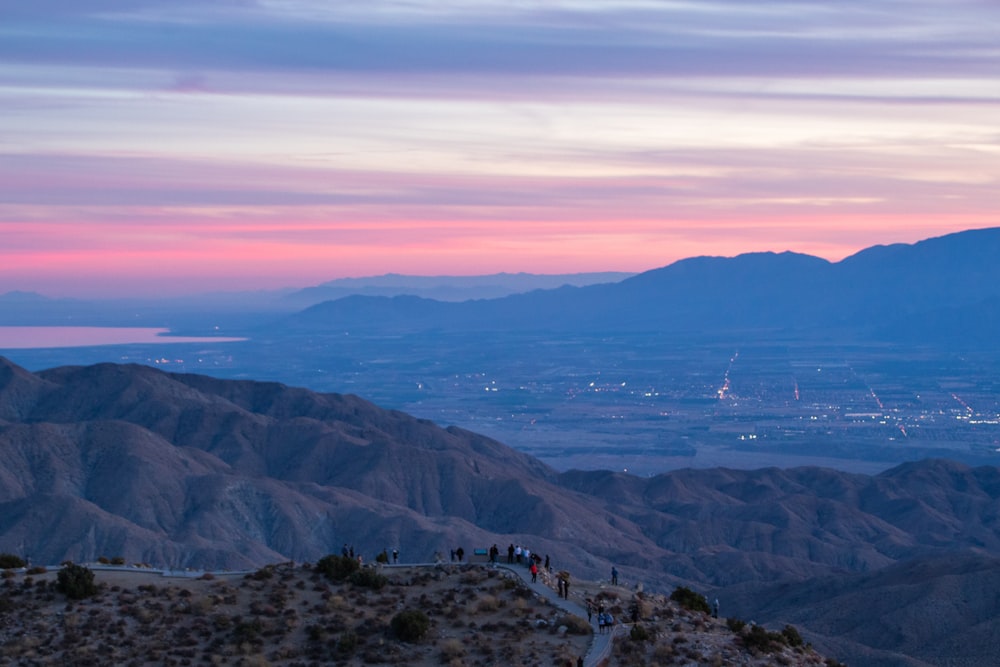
347 642
117 560
664 654
247 631
735 624
10 561
760 639
452 649
487 603
337 568
262 574
37 569
792 636
575 625
410 625
76 582
690 600
638 633
369 578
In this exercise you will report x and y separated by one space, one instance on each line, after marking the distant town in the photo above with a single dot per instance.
641 404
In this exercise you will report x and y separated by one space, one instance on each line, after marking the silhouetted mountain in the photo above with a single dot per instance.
447 288
187 470
884 291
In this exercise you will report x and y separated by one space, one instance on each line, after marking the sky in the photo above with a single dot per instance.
163 147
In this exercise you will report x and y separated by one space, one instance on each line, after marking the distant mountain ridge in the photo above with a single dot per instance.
448 288
881 292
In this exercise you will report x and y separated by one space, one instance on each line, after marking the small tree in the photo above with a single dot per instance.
10 561
76 582
337 568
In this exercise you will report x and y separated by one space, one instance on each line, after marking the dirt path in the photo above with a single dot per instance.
600 644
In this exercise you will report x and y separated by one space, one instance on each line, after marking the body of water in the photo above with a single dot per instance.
26 338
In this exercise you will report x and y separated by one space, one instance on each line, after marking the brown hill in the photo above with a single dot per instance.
188 470
185 470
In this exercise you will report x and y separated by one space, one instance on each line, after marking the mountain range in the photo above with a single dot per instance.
944 289
185 470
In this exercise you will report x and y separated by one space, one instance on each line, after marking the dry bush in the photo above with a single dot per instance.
451 649
663 653
487 603
575 625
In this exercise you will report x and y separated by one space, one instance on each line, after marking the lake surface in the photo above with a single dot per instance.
26 338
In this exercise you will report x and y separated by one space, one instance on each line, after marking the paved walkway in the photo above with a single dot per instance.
600 644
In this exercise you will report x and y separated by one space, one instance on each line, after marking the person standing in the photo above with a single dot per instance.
534 573
395 556
510 555
614 575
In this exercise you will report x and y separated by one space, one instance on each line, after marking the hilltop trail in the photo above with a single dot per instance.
600 644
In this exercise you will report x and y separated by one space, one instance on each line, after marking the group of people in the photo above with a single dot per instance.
604 618
348 552
521 556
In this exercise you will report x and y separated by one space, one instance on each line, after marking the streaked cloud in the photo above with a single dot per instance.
358 138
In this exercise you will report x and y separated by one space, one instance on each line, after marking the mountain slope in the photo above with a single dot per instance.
186 470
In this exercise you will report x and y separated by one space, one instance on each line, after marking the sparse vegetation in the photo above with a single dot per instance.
422 617
760 639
